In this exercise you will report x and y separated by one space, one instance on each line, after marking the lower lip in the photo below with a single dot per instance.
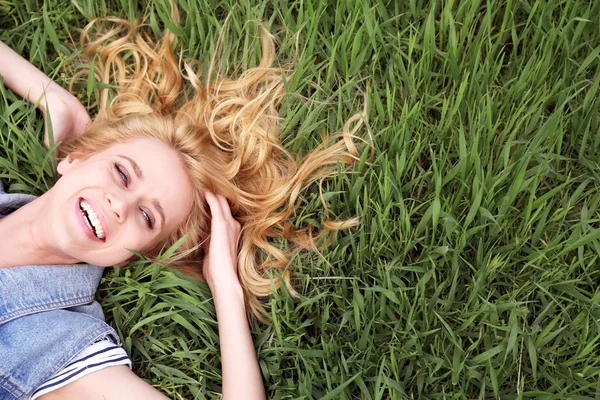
84 224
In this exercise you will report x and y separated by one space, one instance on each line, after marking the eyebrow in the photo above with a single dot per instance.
140 175
135 166
160 210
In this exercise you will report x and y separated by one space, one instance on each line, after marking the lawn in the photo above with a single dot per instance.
474 271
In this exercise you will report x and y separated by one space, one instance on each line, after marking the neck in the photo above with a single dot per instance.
25 239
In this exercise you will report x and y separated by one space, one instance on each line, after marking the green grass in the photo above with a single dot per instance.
475 270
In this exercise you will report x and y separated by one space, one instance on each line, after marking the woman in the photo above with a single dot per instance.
155 166
131 195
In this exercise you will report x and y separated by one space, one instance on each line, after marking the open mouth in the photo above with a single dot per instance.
91 219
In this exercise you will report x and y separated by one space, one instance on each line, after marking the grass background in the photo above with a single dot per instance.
474 272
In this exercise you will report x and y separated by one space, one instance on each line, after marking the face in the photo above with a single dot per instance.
130 196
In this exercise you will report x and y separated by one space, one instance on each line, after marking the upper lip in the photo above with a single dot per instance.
100 214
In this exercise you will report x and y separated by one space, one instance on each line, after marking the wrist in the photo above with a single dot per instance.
226 288
55 96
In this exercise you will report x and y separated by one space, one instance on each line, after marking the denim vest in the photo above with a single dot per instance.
47 316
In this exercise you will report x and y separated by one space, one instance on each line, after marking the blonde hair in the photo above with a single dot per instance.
227 134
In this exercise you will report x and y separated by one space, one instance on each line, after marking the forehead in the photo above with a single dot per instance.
164 177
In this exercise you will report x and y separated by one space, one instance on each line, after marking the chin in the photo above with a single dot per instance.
101 262
120 262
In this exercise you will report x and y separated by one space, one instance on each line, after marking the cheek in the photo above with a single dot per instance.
85 178
135 237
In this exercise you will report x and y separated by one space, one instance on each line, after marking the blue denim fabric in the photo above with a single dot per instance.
47 316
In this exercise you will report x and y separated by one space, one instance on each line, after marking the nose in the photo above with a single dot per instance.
117 206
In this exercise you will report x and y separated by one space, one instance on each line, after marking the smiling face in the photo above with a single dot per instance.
130 196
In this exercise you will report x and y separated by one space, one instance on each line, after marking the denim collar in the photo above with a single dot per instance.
10 202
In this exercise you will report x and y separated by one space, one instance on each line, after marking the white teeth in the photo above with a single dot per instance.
86 220
93 218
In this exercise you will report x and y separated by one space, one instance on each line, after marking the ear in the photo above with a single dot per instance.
65 164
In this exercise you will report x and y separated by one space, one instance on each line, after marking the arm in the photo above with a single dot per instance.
67 114
241 375
26 80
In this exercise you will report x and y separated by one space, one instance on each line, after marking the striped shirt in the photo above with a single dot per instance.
99 355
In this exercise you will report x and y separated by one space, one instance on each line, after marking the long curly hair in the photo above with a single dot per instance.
227 134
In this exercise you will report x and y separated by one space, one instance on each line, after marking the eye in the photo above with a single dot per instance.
123 173
148 217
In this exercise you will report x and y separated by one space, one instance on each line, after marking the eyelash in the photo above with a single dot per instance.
123 174
148 219
125 178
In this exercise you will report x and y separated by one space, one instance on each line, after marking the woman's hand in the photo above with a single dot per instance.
220 260
65 112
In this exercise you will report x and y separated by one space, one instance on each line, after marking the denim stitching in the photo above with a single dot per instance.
10 387
59 304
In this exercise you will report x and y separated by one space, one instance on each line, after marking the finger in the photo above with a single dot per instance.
214 204
225 206
233 223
